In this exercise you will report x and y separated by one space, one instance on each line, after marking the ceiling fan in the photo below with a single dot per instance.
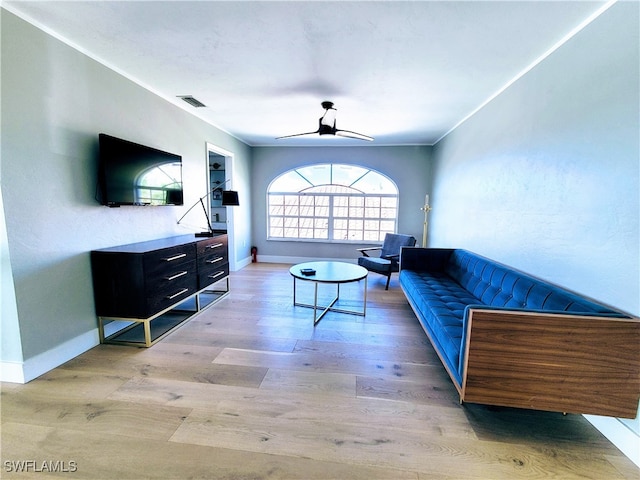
327 126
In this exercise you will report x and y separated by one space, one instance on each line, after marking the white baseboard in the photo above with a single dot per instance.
242 263
11 372
295 260
16 372
626 440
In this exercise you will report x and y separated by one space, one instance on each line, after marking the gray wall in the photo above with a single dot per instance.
408 167
546 177
55 101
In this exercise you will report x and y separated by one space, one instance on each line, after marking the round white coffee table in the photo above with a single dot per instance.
333 273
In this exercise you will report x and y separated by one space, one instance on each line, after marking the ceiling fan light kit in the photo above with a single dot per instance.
327 126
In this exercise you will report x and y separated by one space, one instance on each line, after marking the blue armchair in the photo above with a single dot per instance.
388 261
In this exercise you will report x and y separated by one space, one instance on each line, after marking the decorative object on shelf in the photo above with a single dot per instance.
426 209
327 126
229 199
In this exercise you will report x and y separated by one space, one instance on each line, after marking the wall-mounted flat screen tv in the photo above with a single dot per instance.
132 174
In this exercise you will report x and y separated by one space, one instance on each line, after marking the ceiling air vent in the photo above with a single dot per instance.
192 101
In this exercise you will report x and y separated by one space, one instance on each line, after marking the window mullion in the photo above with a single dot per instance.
331 217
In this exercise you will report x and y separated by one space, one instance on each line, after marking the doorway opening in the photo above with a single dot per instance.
219 174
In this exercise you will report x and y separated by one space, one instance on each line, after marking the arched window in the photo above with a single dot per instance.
155 184
332 202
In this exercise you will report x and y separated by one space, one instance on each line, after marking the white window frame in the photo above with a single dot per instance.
312 215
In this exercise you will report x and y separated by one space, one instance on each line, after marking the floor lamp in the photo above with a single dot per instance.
426 209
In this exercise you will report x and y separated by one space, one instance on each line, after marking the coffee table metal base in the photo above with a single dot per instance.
330 307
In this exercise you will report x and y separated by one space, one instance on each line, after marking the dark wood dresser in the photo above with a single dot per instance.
150 288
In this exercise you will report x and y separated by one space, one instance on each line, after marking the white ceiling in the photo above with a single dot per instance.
405 73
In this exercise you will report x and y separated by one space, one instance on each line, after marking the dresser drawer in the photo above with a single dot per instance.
212 249
212 274
161 262
212 261
170 276
170 292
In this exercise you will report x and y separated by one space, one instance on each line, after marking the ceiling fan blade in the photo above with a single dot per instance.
298 135
350 134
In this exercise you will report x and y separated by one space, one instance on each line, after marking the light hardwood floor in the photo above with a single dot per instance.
249 389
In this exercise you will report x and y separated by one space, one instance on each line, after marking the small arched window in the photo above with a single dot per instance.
332 202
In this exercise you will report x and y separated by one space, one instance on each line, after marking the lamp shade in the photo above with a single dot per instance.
230 198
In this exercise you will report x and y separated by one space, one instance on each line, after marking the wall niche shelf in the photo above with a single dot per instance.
217 177
143 291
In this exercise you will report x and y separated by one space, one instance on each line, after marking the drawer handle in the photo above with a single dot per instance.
177 275
171 297
216 245
217 274
175 257
215 260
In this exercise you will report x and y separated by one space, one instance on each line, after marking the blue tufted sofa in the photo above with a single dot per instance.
509 339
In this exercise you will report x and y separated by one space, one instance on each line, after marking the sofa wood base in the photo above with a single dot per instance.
564 363
551 362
